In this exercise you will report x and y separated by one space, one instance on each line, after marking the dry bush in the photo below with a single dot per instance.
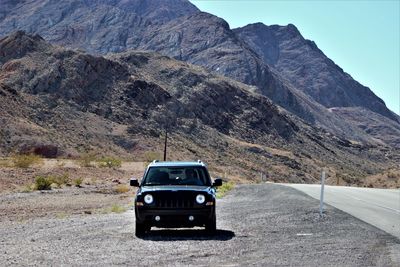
78 182
61 180
43 183
86 159
109 162
46 182
122 188
117 209
26 161
392 174
224 189
28 188
150 156
4 162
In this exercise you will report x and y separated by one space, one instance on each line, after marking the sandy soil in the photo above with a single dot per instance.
103 190
262 225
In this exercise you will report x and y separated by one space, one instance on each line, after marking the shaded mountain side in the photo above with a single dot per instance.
112 26
374 124
301 62
121 104
206 40
98 26
178 29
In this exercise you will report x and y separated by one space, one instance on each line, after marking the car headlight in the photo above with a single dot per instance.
200 199
148 199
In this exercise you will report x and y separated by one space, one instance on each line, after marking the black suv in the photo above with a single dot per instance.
175 194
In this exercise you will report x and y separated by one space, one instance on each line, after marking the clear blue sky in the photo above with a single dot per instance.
362 37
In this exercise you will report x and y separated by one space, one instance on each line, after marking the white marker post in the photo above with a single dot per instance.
321 202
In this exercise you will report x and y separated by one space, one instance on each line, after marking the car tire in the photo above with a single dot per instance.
211 225
141 229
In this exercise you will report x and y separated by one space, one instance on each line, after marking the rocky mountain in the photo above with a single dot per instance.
276 61
376 125
106 26
121 104
98 26
306 67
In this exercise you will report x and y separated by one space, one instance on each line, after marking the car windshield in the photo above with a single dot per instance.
177 176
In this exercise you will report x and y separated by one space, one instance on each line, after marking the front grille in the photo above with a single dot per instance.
172 200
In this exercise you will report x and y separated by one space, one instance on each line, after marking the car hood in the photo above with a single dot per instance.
175 188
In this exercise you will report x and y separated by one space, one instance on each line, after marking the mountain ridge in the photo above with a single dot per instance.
102 26
64 99
234 101
309 69
112 26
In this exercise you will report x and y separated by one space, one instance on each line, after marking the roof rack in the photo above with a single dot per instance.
155 161
199 161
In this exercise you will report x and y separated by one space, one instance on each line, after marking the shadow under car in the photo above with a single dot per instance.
187 234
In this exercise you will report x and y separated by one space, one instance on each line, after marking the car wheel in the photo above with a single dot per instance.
211 225
141 229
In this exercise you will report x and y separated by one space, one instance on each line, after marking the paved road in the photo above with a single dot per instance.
262 225
379 207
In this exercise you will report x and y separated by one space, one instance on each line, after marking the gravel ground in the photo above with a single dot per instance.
258 225
57 203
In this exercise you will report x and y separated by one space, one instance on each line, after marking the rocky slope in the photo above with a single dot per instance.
376 125
113 26
98 26
121 104
277 61
308 69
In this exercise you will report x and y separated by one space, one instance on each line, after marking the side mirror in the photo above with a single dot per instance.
217 182
134 182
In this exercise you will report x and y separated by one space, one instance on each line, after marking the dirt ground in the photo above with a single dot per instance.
103 190
14 179
262 225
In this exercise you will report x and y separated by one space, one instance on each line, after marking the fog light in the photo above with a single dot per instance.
157 218
191 218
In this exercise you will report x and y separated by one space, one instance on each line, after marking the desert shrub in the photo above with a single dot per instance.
86 159
109 162
149 156
93 180
393 175
4 162
26 161
117 209
60 180
61 215
43 183
224 189
28 188
78 182
60 164
46 182
122 188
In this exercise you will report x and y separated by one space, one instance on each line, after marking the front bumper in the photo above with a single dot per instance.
175 217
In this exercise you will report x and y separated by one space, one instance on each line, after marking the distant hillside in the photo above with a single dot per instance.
121 104
275 60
